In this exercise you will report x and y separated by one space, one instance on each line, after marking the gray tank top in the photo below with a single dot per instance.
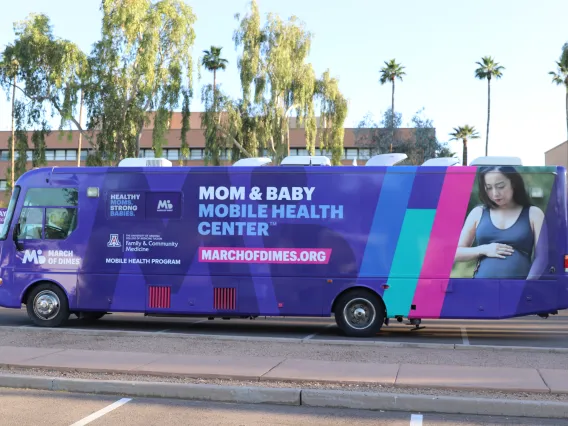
519 236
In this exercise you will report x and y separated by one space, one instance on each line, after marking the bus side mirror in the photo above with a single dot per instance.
19 245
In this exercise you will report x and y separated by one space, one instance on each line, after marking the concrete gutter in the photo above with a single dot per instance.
296 397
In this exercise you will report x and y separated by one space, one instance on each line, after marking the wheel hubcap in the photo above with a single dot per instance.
46 305
359 313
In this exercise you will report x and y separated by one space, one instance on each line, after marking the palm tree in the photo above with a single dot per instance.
488 69
212 61
389 73
561 76
464 133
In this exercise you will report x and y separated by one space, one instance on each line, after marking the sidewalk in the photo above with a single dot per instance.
291 370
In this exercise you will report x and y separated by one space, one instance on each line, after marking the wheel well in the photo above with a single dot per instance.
34 285
350 289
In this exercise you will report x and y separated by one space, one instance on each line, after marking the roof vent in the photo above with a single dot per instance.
496 161
442 161
253 162
390 159
145 162
306 160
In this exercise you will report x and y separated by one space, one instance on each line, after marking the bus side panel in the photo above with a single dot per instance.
514 286
8 297
100 292
470 299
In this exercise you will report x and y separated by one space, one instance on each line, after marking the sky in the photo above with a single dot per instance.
437 41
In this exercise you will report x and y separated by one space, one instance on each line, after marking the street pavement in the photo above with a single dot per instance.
33 407
530 331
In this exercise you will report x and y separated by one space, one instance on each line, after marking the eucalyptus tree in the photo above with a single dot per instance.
464 133
46 72
277 81
487 70
143 63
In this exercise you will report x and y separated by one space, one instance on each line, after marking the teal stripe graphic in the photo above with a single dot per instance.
408 259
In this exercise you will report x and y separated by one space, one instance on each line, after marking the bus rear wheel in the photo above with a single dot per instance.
359 313
47 305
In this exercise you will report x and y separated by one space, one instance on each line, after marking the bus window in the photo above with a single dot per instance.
9 213
56 206
31 223
60 222
51 197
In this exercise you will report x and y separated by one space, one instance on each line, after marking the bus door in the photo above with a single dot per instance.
45 242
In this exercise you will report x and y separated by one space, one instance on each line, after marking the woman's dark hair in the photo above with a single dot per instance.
520 195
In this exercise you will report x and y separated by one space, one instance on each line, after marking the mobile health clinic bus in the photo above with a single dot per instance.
366 244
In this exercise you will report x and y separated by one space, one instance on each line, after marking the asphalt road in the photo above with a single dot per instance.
31 408
528 331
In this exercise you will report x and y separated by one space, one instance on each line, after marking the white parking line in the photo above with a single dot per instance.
311 336
416 420
102 412
465 339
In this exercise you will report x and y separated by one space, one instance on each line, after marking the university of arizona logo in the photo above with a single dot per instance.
113 241
33 256
165 206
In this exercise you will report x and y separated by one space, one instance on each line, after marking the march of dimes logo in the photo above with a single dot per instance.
52 257
165 206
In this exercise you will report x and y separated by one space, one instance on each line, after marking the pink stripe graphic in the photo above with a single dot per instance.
264 255
439 259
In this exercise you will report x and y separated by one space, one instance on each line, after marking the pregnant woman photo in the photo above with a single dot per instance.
505 227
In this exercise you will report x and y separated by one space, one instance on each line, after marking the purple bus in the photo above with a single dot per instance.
365 244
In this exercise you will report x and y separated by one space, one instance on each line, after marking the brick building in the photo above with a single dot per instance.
63 152
557 156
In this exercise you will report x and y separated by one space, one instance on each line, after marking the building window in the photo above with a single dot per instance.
364 153
3 185
171 154
351 153
196 154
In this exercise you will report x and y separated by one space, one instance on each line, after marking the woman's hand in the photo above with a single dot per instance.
497 250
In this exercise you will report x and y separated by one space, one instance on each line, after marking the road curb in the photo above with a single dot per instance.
433 404
308 341
295 396
198 392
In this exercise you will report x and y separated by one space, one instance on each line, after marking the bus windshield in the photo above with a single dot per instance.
9 213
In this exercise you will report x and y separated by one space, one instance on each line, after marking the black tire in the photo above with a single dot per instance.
47 305
370 311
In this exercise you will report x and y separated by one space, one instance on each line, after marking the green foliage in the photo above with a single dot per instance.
419 145
464 133
48 71
142 63
276 81
391 71
560 77
488 69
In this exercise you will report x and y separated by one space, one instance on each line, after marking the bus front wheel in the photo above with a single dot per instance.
47 305
359 313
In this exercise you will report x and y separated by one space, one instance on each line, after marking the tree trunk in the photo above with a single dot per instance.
215 90
464 152
392 116
488 115
13 132
80 133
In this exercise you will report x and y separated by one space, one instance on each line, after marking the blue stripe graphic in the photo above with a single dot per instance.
387 222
